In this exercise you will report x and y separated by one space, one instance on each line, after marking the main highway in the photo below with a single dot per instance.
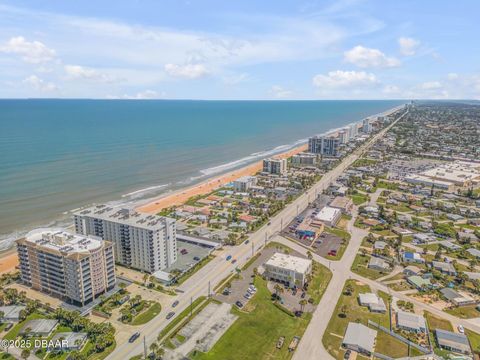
218 269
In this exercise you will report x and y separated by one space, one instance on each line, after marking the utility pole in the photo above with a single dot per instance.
281 224
191 306
209 289
144 347
266 238
297 209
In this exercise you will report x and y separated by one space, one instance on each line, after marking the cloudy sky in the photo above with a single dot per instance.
248 49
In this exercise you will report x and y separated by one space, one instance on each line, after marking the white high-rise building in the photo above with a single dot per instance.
75 268
353 130
141 241
343 136
275 166
366 126
324 145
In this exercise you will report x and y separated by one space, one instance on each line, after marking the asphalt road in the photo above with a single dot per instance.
218 269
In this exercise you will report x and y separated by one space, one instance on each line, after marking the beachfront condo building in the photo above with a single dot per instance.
141 241
275 166
353 130
305 159
244 183
324 145
343 136
366 126
74 268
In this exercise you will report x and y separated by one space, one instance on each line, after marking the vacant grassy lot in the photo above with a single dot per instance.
320 278
255 334
359 199
147 315
464 312
360 264
332 338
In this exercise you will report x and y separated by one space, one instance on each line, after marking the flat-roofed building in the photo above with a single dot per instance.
75 268
144 242
275 166
287 269
452 341
244 183
329 215
324 145
39 327
359 338
411 322
374 302
378 264
11 313
343 203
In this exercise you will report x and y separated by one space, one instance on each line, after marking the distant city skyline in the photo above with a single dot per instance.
348 49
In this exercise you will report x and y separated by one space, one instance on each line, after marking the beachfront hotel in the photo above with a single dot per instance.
141 241
324 145
74 268
275 166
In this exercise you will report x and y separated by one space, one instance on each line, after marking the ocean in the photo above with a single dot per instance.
59 155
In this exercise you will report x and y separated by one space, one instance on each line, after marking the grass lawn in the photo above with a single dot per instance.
387 344
254 335
437 323
332 338
147 315
474 339
320 278
101 355
360 264
338 232
6 356
359 199
400 286
464 312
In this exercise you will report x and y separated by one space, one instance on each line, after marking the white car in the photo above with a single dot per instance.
461 330
247 296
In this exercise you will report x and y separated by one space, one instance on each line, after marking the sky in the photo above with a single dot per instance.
238 50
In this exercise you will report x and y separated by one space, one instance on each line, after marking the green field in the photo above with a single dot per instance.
254 334
464 312
332 338
359 199
320 278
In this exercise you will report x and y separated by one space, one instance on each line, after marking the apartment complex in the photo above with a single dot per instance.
366 126
275 166
244 183
72 267
306 159
324 145
144 242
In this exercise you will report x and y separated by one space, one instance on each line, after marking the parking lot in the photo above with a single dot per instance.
327 243
189 254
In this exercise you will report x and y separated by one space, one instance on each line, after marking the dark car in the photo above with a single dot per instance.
175 303
134 337
196 258
170 315
347 354
239 304
234 261
247 241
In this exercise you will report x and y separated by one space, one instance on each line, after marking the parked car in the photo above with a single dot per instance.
196 258
247 296
175 303
239 304
247 241
134 337
183 251
234 261
280 342
229 257
170 315
461 330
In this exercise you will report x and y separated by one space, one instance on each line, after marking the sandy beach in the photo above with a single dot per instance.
179 197
8 260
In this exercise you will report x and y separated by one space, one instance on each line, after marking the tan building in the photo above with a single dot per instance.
72 267
287 269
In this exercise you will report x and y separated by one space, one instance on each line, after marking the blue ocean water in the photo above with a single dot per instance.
58 155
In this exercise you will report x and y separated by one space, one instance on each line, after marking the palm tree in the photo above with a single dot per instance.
309 254
25 354
343 311
302 303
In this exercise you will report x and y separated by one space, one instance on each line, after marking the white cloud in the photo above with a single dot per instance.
408 46
343 79
391 90
189 71
81 72
33 52
367 57
39 84
452 76
430 85
143 95
280 92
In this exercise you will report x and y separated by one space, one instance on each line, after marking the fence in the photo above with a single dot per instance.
399 337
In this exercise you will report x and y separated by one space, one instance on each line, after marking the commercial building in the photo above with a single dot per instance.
305 159
452 341
324 145
359 338
244 183
342 203
72 267
287 269
329 216
275 166
141 241
411 322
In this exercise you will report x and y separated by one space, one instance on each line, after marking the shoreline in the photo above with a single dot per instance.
180 196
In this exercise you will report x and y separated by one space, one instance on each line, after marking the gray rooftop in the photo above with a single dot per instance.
39 326
125 216
452 340
360 335
410 320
